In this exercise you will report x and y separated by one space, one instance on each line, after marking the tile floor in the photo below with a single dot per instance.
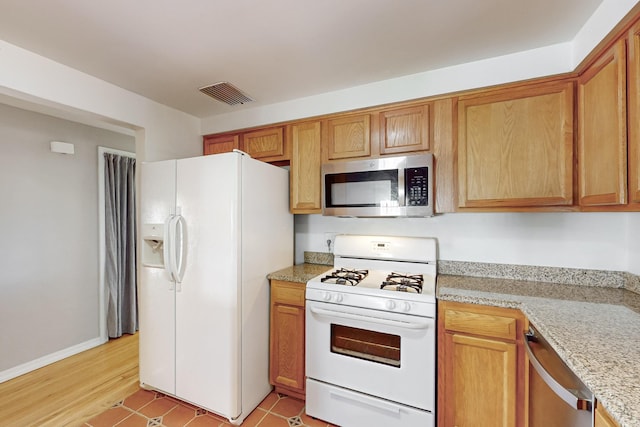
152 409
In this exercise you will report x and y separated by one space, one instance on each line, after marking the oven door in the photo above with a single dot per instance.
383 354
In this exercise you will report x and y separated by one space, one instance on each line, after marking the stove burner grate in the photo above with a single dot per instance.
403 282
345 276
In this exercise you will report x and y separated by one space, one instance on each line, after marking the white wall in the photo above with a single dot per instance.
49 229
633 237
549 60
578 240
36 83
161 132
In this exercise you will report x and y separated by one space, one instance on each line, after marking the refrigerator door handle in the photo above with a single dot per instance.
171 261
180 245
167 252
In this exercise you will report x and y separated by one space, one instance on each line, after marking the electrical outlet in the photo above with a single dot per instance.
329 240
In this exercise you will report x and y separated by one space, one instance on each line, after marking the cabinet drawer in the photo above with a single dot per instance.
287 293
481 324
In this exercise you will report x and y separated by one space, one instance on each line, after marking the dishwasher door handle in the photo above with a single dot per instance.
563 393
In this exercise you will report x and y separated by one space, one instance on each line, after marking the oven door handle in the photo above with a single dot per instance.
386 322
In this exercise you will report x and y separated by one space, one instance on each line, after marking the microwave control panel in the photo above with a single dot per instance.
416 186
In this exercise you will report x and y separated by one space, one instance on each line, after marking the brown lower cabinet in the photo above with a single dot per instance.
602 417
481 360
286 366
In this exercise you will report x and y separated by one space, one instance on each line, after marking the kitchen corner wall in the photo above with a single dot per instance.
602 241
633 235
49 228
31 81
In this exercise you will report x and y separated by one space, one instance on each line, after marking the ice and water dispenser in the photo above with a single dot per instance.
152 250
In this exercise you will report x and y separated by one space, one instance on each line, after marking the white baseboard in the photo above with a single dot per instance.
49 358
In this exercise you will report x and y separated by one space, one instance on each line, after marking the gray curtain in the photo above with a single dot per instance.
120 240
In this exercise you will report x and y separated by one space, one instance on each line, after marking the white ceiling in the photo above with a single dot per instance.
277 50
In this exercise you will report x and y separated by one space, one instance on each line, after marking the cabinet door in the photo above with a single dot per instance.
265 144
602 417
216 144
481 376
286 365
405 130
287 353
516 147
349 137
602 132
633 80
304 173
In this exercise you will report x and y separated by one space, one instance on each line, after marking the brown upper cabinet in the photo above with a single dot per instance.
216 144
265 144
602 130
349 136
515 147
305 186
405 129
633 111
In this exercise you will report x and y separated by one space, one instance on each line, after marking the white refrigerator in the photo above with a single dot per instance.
213 227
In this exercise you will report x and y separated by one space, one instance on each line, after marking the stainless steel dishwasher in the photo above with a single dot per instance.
557 397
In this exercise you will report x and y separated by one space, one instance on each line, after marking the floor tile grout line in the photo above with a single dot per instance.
159 395
216 416
133 411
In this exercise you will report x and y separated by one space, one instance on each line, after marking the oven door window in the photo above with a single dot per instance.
362 189
365 344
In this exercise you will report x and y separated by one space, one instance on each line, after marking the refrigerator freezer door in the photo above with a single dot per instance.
207 311
155 292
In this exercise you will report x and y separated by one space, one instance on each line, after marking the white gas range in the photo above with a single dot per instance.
370 333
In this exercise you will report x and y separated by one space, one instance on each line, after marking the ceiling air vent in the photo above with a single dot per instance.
226 92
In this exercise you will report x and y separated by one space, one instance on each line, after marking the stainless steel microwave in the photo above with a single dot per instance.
399 186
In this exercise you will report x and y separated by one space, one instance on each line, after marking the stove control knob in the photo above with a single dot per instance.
406 307
339 298
390 304
326 296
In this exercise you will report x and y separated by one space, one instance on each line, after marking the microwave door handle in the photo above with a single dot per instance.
402 196
379 321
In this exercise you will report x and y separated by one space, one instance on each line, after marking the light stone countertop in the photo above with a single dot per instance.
315 263
596 330
299 273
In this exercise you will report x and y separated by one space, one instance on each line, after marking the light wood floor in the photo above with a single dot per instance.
73 390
